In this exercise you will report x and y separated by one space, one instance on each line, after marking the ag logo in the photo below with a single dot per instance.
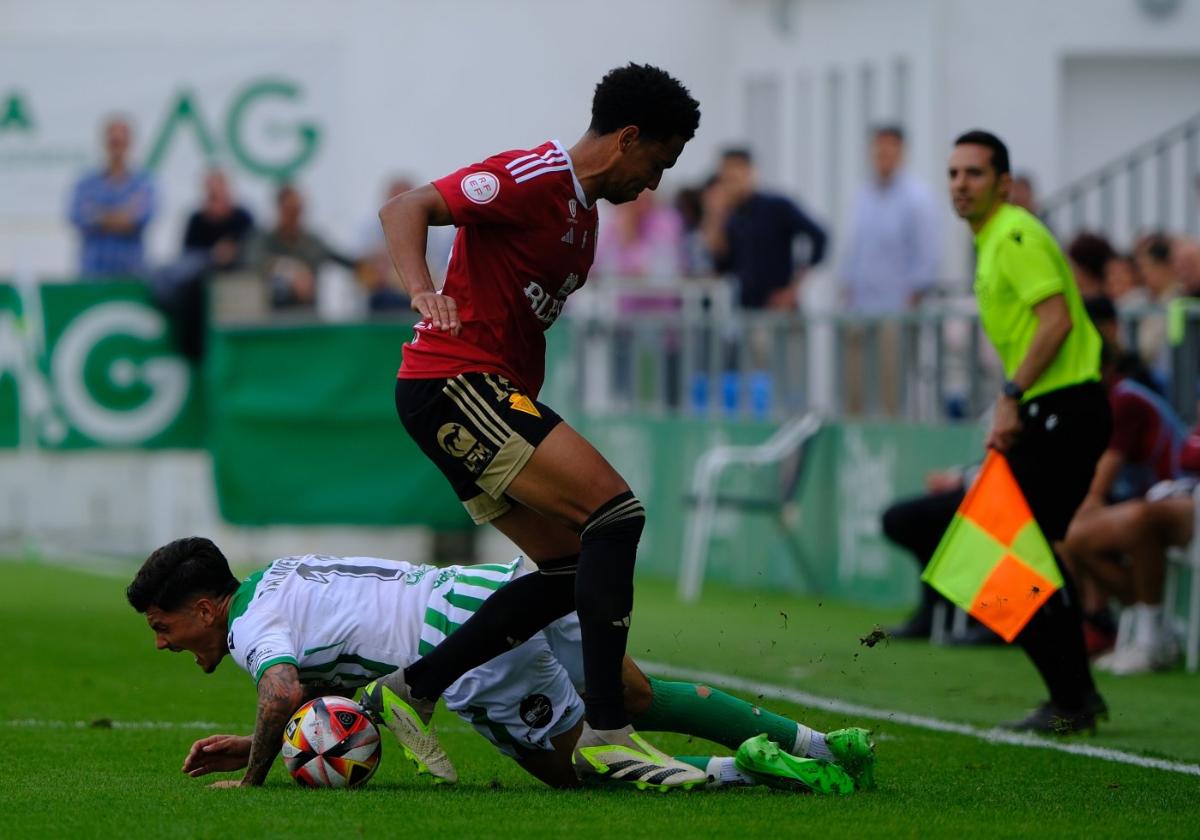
455 440
79 367
536 711
480 187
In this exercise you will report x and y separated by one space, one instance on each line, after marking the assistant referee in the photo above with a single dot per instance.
1052 419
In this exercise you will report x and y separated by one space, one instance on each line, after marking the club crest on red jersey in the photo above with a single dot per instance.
480 187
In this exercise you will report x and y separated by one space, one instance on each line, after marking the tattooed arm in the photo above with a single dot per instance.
279 695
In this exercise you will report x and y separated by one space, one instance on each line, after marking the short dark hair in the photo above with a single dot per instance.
1091 253
179 571
741 153
1157 246
978 137
645 96
893 130
1100 309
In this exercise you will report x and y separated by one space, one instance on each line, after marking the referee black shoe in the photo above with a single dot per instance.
1052 719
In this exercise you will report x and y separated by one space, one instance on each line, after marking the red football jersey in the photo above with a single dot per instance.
525 240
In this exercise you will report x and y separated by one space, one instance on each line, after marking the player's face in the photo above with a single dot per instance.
641 166
193 628
974 187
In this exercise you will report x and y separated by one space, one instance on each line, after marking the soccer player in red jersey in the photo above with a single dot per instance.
467 393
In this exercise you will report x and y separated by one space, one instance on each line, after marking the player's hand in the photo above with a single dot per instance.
439 310
217 754
1006 425
227 783
943 481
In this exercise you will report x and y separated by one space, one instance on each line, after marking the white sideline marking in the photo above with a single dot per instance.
994 736
121 724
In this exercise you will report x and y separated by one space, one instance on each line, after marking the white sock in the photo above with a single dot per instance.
817 747
723 772
1148 624
810 743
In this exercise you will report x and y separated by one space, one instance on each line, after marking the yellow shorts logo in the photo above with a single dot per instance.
520 402
455 440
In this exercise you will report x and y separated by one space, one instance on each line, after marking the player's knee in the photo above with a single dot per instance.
620 518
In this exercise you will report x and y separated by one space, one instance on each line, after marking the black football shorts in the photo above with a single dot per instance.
480 430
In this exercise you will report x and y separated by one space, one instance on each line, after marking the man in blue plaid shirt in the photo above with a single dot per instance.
111 207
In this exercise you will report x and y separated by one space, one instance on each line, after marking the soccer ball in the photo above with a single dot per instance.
331 743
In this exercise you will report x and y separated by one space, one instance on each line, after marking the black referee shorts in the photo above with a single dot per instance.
479 429
1054 457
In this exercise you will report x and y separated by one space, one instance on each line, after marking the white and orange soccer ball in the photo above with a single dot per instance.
331 743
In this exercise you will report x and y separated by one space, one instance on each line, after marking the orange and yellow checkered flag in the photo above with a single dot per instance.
993 560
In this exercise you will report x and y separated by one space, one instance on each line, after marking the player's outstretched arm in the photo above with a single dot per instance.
406 220
217 754
279 695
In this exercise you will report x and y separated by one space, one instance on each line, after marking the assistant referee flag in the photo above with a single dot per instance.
993 560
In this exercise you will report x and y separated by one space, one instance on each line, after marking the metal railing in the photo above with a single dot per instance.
1156 186
931 365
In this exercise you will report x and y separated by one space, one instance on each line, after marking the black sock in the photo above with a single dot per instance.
604 600
1053 640
515 612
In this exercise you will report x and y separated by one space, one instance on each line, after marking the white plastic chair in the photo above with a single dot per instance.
786 442
1179 560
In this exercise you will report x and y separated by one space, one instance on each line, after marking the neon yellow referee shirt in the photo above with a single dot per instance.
1018 265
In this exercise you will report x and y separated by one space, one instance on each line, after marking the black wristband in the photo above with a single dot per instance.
1013 391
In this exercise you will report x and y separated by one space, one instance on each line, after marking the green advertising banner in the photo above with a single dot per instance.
12 355
304 430
852 473
86 365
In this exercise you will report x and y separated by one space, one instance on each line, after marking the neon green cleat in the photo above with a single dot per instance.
622 756
854 752
416 735
761 758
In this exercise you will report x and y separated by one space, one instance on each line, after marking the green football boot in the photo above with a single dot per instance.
414 731
762 759
854 752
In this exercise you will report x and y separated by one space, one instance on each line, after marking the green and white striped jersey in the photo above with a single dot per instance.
343 621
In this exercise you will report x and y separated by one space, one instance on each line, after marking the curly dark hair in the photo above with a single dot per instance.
179 571
645 96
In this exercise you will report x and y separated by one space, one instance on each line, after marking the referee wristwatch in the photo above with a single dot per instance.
1013 391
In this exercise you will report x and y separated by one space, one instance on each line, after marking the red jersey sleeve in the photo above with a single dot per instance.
1133 427
483 194
1189 456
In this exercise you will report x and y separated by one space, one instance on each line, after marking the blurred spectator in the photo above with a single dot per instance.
697 262
111 208
894 245
1185 261
289 256
220 229
1123 548
750 235
1123 285
215 239
1021 192
891 259
375 270
1152 255
1089 255
640 239
1129 365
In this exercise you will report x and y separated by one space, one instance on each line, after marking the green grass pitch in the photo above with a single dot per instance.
74 654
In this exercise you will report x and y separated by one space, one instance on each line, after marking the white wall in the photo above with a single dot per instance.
944 66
